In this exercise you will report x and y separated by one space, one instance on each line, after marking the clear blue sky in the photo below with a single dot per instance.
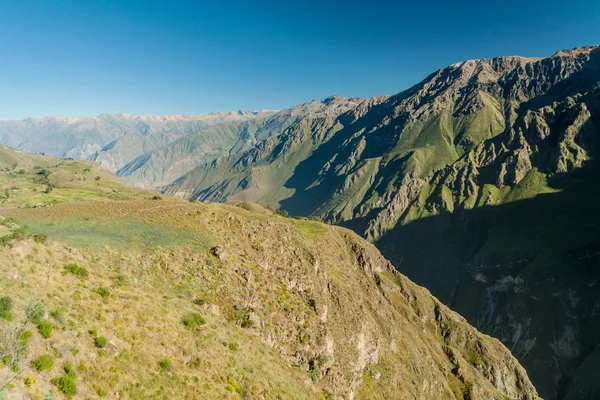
86 57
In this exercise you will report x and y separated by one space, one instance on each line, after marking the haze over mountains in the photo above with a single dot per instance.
111 140
478 183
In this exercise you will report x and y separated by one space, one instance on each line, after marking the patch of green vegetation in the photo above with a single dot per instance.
311 228
43 363
19 233
58 315
40 237
6 308
24 338
77 270
193 320
66 384
118 233
100 342
36 311
165 364
45 329
103 292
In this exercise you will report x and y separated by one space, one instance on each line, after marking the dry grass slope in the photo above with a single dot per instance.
171 299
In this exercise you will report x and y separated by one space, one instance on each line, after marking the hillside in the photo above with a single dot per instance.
167 163
449 180
112 140
118 296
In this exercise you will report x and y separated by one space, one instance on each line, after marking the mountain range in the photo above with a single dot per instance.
478 183
111 291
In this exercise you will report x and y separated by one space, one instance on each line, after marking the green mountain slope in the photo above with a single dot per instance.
166 164
471 137
172 299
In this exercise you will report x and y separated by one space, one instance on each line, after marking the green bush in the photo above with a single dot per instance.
24 338
315 374
36 312
193 320
58 315
246 322
70 370
45 329
103 292
17 234
121 280
43 363
100 342
40 237
66 384
199 302
164 364
282 213
234 346
6 306
77 270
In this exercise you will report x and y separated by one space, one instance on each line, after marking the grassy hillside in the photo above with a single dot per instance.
30 180
139 298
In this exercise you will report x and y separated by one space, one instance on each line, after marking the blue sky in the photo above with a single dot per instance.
163 57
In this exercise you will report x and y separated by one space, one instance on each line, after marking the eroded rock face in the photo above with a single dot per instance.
313 306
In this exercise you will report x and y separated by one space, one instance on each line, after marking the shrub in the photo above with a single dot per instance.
193 320
29 381
43 363
45 329
199 302
121 280
40 237
17 234
246 322
315 374
36 312
58 315
77 270
6 306
97 177
156 197
165 364
100 342
24 338
103 292
101 392
233 346
282 213
66 384
70 370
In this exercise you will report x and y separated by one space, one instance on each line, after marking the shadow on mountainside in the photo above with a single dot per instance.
308 197
526 272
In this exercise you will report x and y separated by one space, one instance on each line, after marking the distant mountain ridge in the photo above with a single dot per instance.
112 140
167 163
